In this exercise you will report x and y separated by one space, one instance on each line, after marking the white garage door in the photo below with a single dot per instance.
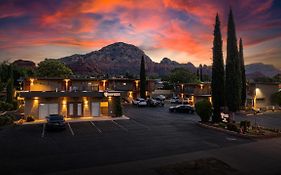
47 109
96 109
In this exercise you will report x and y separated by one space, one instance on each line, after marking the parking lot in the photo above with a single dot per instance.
149 133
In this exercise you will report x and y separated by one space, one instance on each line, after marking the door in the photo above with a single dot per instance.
95 109
46 109
79 109
43 111
75 110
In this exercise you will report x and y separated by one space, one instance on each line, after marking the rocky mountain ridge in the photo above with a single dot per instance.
124 59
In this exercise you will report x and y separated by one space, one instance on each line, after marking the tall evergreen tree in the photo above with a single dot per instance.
233 73
217 73
201 72
243 76
10 91
142 78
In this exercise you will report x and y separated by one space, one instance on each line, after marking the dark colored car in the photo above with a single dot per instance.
182 109
55 122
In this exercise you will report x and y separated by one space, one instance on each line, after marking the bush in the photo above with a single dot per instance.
245 125
232 127
5 106
29 118
15 104
7 119
276 98
204 110
118 107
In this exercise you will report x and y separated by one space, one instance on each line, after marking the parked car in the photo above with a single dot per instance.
182 108
154 102
160 97
136 101
183 101
175 100
142 103
55 122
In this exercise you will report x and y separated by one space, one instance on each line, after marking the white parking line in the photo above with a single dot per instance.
70 129
43 131
120 126
99 130
140 124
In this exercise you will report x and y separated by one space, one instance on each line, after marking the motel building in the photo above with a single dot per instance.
194 92
72 98
259 95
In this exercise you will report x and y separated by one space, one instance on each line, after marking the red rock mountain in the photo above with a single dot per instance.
119 59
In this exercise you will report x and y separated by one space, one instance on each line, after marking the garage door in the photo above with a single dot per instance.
95 109
47 109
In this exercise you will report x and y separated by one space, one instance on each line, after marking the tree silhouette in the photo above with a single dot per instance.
217 73
142 79
233 73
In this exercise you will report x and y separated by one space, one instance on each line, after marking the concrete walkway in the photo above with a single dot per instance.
81 119
261 157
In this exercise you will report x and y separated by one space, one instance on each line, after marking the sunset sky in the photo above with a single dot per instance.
181 30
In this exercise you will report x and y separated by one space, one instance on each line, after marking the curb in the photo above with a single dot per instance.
238 134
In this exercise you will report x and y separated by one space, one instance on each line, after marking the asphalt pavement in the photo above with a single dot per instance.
150 133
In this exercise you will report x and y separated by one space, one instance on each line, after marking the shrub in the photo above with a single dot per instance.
118 107
5 106
7 119
204 110
15 104
245 125
276 98
232 127
29 118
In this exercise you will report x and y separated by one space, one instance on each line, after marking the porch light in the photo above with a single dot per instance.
66 83
130 94
104 81
137 82
64 102
31 81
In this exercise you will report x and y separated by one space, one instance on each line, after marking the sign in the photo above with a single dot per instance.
112 94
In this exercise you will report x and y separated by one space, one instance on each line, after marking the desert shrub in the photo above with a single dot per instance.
15 104
7 119
232 127
5 106
204 110
29 118
276 98
118 107
244 125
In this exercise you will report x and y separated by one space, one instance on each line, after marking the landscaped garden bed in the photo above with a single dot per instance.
209 166
243 129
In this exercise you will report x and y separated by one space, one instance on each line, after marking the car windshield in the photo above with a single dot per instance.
55 117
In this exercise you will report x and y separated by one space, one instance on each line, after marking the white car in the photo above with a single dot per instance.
137 100
175 100
161 97
142 103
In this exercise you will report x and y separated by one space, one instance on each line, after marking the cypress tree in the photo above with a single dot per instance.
10 91
201 72
217 73
142 78
198 74
243 76
233 73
